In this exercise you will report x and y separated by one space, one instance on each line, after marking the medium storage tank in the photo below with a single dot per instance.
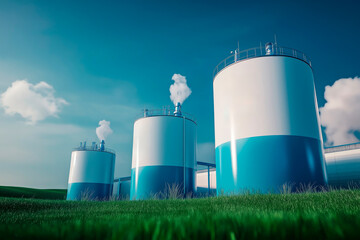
91 173
164 155
343 165
267 129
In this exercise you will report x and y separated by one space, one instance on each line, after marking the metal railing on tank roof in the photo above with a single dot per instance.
165 111
93 148
258 52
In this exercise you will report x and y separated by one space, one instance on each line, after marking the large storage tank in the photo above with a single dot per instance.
343 165
91 173
267 129
164 155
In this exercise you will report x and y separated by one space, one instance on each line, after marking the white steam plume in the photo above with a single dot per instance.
179 91
32 102
341 114
103 130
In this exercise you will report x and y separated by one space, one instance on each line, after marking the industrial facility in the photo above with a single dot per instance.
164 154
267 135
91 172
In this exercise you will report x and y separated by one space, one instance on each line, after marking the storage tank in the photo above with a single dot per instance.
343 165
267 129
91 173
164 155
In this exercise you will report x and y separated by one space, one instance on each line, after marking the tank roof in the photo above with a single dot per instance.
276 50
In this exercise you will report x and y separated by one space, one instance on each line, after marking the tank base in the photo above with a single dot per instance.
89 191
161 181
264 164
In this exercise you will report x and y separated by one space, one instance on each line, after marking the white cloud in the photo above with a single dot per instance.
32 102
341 114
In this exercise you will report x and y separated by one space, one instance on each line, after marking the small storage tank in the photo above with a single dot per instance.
91 173
343 165
164 155
266 122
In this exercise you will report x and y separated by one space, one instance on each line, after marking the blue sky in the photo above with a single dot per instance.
110 59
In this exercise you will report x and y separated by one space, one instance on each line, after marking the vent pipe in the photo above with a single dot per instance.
102 146
177 111
269 48
146 112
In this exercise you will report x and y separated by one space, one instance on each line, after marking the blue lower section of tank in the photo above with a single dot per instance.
263 164
154 181
89 191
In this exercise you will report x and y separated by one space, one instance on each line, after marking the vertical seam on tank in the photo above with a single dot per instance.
184 153
336 171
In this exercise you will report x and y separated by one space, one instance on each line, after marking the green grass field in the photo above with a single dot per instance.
21 192
331 215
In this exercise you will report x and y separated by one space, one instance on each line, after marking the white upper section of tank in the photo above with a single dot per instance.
272 95
92 167
164 141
